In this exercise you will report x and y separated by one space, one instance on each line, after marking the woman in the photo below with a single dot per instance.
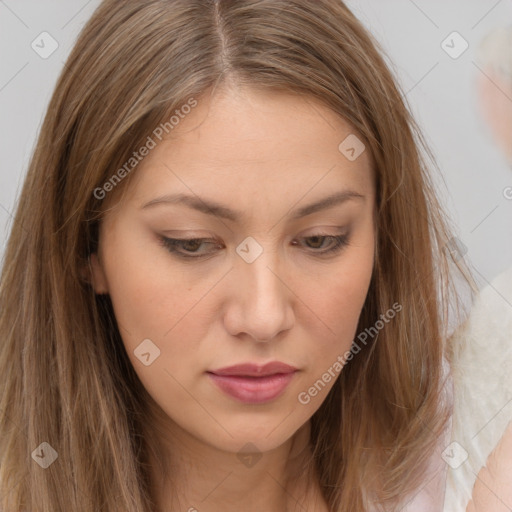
173 336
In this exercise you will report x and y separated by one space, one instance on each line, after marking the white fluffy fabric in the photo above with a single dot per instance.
482 379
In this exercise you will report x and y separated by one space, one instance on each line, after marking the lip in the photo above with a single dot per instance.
255 370
252 383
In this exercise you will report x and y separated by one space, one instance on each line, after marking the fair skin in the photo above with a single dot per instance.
266 155
493 489
495 103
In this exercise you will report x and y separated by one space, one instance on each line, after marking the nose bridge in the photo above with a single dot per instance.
262 296
266 283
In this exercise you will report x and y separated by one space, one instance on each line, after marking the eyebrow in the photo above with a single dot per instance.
213 208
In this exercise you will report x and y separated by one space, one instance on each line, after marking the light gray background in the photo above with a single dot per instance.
439 89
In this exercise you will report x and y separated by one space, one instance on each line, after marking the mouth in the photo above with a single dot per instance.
253 384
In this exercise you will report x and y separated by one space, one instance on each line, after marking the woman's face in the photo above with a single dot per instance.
249 173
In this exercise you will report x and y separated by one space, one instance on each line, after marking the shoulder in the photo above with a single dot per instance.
492 490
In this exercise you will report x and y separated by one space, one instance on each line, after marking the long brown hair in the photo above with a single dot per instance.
66 379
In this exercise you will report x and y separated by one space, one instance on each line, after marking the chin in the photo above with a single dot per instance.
253 436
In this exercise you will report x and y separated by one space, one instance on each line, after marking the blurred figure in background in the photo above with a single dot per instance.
481 472
494 58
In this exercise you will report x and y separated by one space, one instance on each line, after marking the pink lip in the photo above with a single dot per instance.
254 370
253 384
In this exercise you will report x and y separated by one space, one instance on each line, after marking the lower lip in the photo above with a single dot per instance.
253 390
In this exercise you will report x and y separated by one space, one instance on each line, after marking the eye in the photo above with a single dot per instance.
189 247
338 242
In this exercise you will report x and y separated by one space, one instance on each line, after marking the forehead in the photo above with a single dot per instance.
241 143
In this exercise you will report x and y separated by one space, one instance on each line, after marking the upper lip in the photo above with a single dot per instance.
255 370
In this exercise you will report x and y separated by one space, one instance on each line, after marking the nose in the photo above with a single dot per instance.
261 305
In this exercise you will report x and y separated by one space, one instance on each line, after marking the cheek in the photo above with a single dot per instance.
151 298
331 334
338 295
156 308
340 312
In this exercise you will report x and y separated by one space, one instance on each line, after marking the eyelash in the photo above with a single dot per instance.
171 244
